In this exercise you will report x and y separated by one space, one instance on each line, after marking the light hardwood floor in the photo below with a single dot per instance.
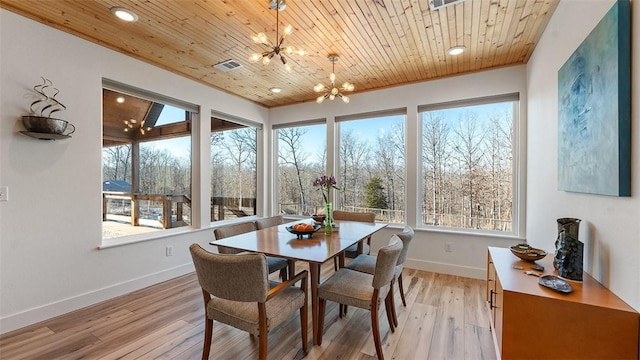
445 318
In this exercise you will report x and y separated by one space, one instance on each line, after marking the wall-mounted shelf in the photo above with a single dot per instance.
45 136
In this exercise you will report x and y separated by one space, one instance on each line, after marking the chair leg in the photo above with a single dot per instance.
340 310
284 274
404 302
335 263
389 311
392 302
376 328
322 303
263 333
208 332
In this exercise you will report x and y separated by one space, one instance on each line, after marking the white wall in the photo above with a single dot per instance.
469 255
611 225
50 228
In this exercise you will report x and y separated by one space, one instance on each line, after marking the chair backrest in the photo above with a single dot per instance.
354 216
239 277
269 222
386 262
405 236
231 230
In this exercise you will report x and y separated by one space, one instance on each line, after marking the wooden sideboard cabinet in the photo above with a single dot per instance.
530 321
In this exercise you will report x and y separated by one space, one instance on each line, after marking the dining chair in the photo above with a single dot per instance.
352 251
269 222
272 221
236 291
367 264
362 290
274 263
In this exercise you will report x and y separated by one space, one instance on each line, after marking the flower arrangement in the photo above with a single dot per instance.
325 184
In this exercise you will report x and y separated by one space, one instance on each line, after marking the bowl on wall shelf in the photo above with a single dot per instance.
47 125
527 253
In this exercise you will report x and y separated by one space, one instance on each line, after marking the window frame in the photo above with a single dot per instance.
193 112
517 166
371 115
275 188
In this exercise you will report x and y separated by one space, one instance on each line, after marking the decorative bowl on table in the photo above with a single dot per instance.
527 253
319 219
302 229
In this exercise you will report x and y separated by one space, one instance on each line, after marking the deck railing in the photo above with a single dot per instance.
122 204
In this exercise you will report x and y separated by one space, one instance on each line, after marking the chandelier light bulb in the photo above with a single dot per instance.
332 78
320 99
287 30
255 57
318 88
345 99
331 97
266 60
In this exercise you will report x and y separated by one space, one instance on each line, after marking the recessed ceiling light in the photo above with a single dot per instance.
275 90
457 50
120 100
124 14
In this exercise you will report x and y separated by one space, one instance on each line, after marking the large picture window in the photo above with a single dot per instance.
233 169
146 163
468 164
372 164
302 156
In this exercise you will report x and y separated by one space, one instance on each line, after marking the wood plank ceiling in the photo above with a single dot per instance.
381 43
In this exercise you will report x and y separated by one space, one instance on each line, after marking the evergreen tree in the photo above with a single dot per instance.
374 196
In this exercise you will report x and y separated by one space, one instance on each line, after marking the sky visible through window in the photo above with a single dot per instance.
181 146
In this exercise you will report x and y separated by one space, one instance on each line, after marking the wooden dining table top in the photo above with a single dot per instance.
277 241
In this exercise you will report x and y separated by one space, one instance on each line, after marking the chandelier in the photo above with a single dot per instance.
332 91
277 49
132 124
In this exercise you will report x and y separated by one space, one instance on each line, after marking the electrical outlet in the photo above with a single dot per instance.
4 193
447 247
169 250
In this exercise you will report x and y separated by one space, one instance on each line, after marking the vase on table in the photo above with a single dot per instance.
328 220
570 227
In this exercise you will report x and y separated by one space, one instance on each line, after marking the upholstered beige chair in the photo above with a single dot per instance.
275 263
367 264
352 251
366 291
269 222
237 292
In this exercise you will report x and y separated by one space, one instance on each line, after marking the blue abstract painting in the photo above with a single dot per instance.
594 110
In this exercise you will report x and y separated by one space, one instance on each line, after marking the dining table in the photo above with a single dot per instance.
315 249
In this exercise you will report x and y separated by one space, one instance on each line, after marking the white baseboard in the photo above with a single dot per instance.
443 268
45 312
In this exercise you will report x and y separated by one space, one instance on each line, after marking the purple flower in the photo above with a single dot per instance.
325 184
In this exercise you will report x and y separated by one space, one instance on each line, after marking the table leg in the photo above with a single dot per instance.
314 268
292 268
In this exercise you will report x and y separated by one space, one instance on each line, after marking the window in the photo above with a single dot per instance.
372 164
233 169
468 163
146 162
302 156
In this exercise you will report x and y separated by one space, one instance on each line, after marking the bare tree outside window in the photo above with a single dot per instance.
301 158
467 167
